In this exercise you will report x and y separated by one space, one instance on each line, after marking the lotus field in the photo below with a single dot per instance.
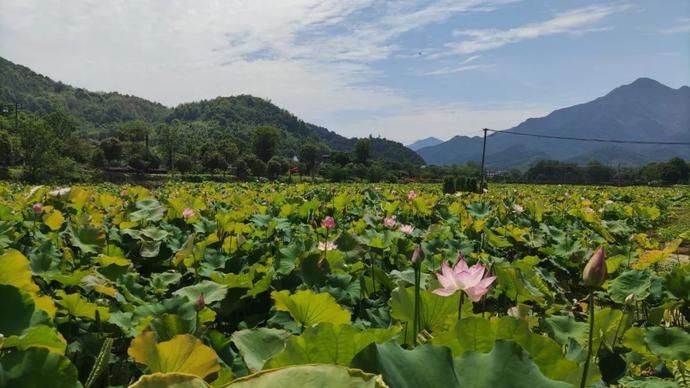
352 285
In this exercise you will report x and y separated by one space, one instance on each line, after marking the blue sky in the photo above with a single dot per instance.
403 69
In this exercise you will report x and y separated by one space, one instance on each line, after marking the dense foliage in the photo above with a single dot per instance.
264 285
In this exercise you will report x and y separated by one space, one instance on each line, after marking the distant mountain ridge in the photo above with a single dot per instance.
100 112
644 110
428 142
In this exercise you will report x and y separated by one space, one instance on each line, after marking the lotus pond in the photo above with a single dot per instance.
261 285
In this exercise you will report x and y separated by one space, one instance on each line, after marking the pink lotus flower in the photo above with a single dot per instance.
407 229
411 195
389 222
37 208
462 278
200 303
327 246
328 223
187 213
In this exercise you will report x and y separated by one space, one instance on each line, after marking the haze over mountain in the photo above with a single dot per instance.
644 110
428 142
99 113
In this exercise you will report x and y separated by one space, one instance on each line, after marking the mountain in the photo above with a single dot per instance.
644 110
428 142
100 113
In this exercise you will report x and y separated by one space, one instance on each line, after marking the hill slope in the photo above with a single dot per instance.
102 112
643 110
428 142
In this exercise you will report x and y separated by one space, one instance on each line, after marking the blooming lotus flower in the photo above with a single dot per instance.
609 202
37 208
595 270
470 280
518 208
389 222
411 195
187 213
327 246
59 193
328 223
407 229
589 210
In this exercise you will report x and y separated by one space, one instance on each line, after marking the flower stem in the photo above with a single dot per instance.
417 308
462 300
583 382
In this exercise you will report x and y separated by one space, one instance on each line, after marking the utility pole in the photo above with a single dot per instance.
16 117
482 185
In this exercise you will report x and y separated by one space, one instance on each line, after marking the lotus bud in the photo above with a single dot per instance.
187 213
37 208
418 255
328 223
630 299
200 303
595 270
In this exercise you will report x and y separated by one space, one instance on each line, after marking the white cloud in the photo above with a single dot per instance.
452 70
443 121
682 26
576 21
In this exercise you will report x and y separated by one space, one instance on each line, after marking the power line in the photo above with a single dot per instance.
589 139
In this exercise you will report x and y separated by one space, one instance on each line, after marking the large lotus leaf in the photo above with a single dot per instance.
149 210
167 326
18 311
309 308
669 343
329 344
677 282
54 220
40 336
436 311
257 346
633 282
36 367
16 271
649 258
507 365
310 376
608 324
212 291
88 239
563 327
77 306
169 380
424 366
477 334
183 353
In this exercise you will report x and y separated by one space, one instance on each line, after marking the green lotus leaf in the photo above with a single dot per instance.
309 308
212 291
257 346
40 336
633 282
310 376
437 312
37 367
669 343
564 327
327 343
424 366
507 365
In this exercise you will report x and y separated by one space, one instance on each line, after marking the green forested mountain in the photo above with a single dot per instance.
100 115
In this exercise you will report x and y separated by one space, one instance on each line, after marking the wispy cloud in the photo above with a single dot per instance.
682 26
451 70
576 21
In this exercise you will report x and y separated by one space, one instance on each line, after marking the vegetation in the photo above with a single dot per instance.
264 284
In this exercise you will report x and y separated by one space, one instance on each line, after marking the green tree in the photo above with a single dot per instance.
309 155
265 140
8 148
112 149
362 150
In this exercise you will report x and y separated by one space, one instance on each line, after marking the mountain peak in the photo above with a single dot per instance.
428 142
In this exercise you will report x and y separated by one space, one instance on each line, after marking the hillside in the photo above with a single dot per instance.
99 113
643 110
428 142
